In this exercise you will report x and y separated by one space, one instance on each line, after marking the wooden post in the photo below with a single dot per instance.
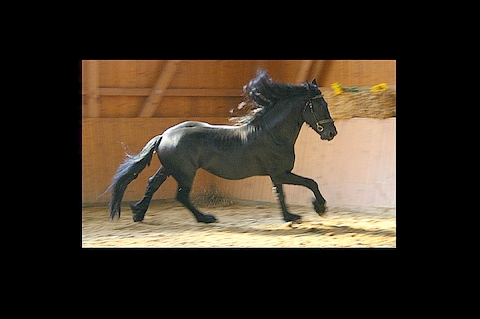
303 72
318 67
93 96
158 90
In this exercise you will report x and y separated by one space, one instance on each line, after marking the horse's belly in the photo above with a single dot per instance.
232 165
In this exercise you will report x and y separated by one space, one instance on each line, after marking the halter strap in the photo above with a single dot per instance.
318 123
325 121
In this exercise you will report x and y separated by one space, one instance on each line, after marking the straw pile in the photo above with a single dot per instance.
211 198
346 105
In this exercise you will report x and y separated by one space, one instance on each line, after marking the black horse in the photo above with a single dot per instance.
261 143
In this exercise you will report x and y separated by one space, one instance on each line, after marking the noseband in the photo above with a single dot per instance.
318 123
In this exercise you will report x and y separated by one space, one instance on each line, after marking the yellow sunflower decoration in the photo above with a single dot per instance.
337 88
379 87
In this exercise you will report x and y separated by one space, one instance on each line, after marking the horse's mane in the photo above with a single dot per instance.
262 93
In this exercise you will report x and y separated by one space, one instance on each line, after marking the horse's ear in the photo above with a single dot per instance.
314 82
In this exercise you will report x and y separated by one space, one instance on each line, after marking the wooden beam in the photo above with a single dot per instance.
303 71
93 97
158 90
319 71
316 69
116 91
203 92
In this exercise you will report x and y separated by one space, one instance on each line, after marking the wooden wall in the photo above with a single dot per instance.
125 89
129 102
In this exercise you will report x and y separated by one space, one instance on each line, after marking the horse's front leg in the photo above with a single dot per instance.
293 179
287 216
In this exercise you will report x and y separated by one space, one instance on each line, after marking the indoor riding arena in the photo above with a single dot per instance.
125 104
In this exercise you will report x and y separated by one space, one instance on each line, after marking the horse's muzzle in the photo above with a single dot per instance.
328 134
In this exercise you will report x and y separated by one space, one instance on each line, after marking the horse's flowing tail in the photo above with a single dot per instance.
128 171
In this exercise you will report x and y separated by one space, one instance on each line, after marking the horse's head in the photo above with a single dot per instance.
316 114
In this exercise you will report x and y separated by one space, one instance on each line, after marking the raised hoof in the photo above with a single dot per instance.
207 219
137 215
319 207
291 217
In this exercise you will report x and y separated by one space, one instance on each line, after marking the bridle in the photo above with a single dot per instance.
318 123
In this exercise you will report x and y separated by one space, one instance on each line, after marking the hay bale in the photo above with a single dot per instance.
381 104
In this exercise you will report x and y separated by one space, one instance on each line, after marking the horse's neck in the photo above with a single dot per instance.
284 125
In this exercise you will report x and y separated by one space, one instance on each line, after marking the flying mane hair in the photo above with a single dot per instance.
261 93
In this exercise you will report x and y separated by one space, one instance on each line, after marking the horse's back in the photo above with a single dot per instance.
192 139
222 150
190 124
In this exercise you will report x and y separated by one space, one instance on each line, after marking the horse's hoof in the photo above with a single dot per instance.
207 218
137 215
319 207
291 217
137 218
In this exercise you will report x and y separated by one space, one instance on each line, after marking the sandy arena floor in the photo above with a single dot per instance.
168 224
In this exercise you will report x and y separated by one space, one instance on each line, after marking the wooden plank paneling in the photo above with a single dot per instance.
147 72
358 72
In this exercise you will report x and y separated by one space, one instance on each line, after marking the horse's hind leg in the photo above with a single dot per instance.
140 208
183 196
